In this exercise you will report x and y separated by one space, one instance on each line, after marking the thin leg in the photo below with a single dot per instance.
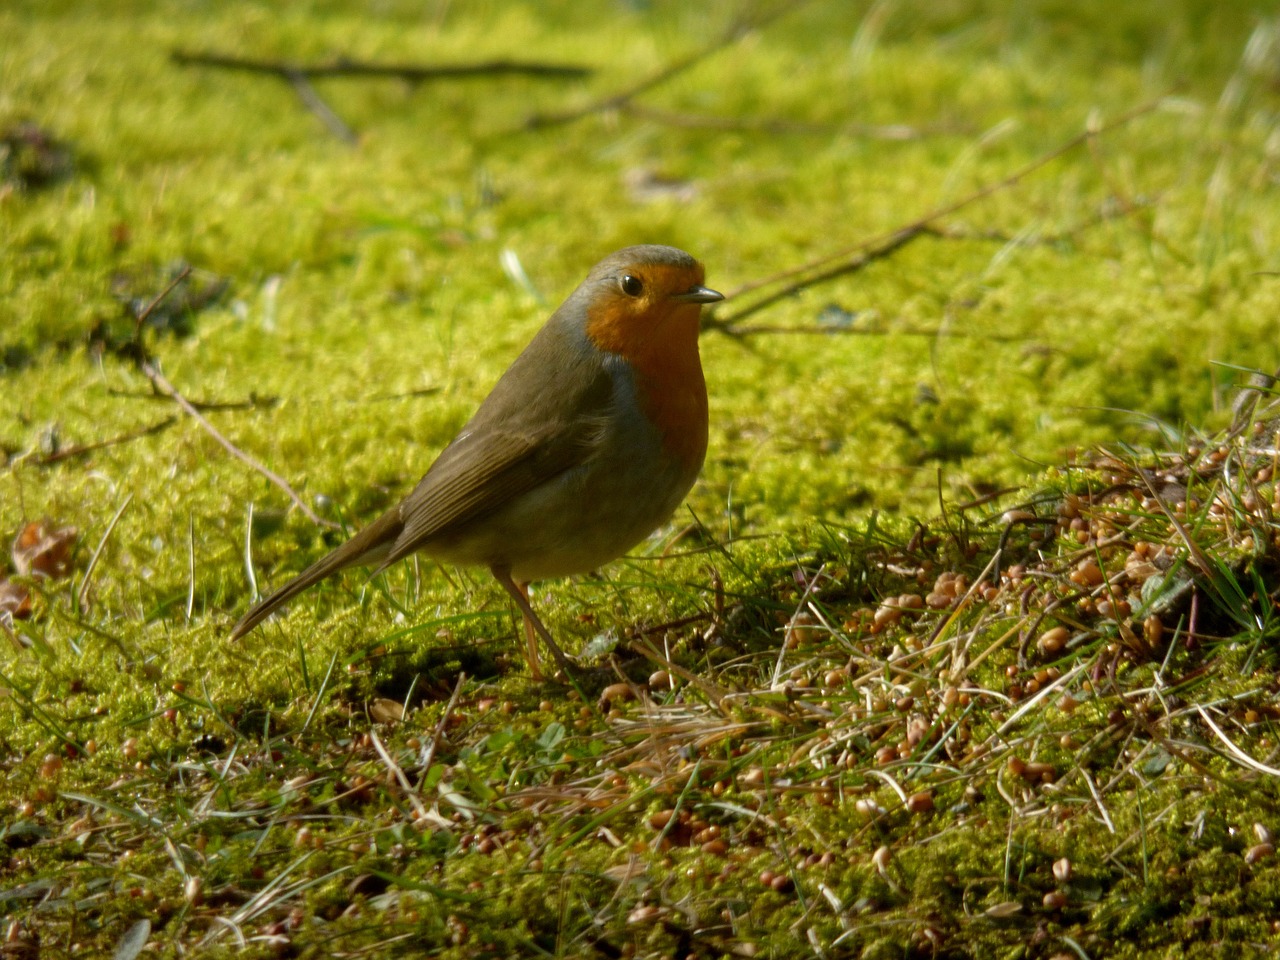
530 637
520 594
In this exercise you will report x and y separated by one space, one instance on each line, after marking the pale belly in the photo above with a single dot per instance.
575 523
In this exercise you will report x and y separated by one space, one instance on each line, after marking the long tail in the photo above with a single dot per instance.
366 547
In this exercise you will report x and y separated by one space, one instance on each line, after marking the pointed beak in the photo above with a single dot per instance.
699 294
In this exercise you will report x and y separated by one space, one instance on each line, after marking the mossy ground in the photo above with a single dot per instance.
247 797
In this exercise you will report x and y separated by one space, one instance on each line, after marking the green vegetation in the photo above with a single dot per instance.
965 645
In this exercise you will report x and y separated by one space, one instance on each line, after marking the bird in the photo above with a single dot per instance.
587 444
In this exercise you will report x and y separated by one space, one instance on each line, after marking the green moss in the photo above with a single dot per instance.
1115 291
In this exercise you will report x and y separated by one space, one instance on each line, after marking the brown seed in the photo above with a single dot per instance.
1062 870
1055 900
886 615
617 692
921 802
1153 630
1087 573
835 678
383 710
660 819
717 848
766 878
880 859
1259 851
1041 772
645 914
868 807
1053 640
660 680
782 884
51 766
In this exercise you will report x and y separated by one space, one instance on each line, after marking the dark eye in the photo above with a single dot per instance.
631 286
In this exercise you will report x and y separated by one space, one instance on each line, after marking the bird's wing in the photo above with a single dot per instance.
500 455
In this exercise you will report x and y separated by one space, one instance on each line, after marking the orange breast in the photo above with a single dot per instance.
660 342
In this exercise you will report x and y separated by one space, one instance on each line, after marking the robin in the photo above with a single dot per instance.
588 443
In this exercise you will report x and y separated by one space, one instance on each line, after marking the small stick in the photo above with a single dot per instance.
312 100
81 449
82 595
158 381
168 389
622 98
856 257
254 402
694 121
429 751
398 772
415 73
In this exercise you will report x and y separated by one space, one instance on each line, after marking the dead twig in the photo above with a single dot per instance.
853 259
413 73
254 402
622 98
312 100
81 449
161 384
693 121
299 76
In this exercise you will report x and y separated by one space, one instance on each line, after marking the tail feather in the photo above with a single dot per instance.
368 547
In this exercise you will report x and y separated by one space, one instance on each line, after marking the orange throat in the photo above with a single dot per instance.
663 356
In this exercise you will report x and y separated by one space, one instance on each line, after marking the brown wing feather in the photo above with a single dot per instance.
492 470
517 440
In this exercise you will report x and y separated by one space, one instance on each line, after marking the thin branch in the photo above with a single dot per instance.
168 389
622 98
414 73
856 257
163 386
82 595
695 121
254 402
312 100
429 749
81 449
933 230
1235 751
